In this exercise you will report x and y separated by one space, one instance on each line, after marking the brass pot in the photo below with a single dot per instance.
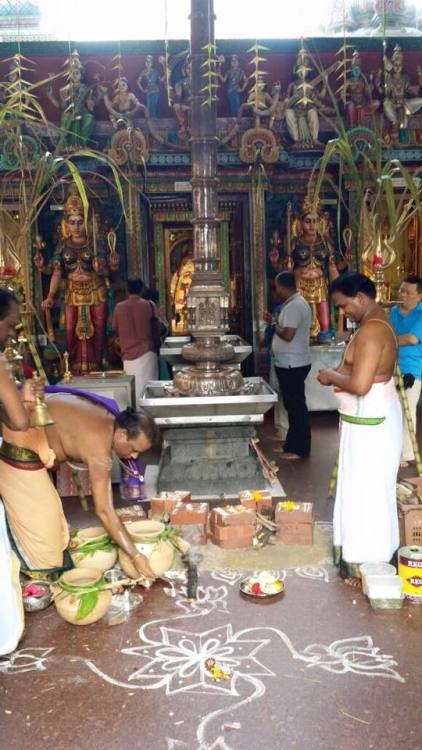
67 604
101 560
145 536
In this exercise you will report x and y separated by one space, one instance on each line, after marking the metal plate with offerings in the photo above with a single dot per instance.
261 585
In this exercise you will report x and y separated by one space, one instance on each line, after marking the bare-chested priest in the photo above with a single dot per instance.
83 432
365 511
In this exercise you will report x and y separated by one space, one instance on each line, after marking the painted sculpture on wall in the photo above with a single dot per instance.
401 98
303 103
149 82
360 104
313 260
124 105
81 261
76 103
235 81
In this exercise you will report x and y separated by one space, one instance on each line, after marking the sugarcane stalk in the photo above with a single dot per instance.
409 421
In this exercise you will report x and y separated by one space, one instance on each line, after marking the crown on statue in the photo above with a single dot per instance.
397 54
73 205
310 206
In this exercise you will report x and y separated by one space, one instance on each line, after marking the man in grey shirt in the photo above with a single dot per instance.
292 360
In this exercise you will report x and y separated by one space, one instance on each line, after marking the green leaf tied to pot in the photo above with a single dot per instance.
93 547
82 597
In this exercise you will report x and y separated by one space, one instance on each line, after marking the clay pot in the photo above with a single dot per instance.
99 559
160 553
67 604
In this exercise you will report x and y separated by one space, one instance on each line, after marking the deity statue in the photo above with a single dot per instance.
179 288
76 103
149 81
236 82
80 260
312 254
303 103
399 103
124 105
182 92
360 106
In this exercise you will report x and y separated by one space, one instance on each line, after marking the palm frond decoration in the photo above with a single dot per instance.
210 75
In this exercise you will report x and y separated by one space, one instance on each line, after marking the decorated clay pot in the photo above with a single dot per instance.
146 536
103 558
79 598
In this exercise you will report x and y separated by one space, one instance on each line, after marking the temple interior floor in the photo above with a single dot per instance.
314 669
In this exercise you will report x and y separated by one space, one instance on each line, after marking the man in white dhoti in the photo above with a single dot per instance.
365 511
133 322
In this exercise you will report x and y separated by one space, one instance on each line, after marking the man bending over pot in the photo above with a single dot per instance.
85 432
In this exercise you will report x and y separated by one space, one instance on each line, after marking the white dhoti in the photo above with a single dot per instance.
365 511
144 368
12 616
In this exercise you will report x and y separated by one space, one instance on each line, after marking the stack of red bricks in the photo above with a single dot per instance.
232 527
295 522
256 500
190 518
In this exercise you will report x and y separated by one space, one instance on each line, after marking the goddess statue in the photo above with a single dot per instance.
303 103
76 103
399 103
360 106
236 81
80 259
149 81
312 254
182 97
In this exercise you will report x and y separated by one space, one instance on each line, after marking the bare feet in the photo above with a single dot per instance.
354 582
404 464
290 456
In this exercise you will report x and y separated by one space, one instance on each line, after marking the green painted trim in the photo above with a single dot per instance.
224 254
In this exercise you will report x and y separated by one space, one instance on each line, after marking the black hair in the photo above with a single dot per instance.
135 286
412 278
350 284
151 294
286 279
6 298
135 422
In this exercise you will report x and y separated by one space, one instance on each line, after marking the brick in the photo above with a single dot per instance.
256 499
159 506
131 513
296 533
233 515
290 511
232 532
240 543
189 513
194 533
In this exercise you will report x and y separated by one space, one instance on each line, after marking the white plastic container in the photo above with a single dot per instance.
375 569
384 592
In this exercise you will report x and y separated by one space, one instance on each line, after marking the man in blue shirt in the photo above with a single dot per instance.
406 320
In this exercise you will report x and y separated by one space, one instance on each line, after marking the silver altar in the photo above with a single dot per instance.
172 347
176 411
